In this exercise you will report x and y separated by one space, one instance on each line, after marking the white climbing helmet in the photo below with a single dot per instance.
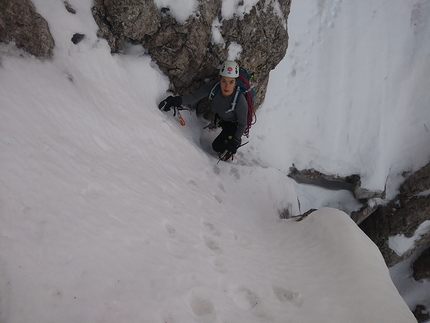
229 69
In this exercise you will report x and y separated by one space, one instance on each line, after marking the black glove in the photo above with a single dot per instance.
232 145
169 102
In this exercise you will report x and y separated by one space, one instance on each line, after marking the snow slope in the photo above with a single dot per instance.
111 211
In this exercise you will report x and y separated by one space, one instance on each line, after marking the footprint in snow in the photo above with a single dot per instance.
216 169
244 298
177 245
211 243
218 264
235 173
210 228
218 198
221 187
192 182
243 242
169 228
288 296
201 305
168 318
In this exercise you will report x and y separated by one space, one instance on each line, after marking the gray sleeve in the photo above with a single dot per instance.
242 116
199 94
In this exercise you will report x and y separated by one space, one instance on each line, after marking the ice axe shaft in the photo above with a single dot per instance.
176 112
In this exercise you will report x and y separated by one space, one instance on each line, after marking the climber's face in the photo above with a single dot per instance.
227 85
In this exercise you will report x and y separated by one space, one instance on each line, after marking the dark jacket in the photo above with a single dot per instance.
222 106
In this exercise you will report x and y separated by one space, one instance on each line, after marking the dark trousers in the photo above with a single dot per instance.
228 131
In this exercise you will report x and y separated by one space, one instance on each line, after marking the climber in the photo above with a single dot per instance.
230 116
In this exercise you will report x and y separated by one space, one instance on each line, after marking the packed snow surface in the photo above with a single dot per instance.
113 212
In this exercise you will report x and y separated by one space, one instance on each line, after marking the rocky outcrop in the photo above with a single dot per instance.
350 183
129 20
20 23
330 182
185 52
402 216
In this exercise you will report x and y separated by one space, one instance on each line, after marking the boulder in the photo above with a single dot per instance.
125 20
20 23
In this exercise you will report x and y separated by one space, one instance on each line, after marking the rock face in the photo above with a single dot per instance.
403 215
185 52
19 22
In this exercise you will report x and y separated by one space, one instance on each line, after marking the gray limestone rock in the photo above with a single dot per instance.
20 23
